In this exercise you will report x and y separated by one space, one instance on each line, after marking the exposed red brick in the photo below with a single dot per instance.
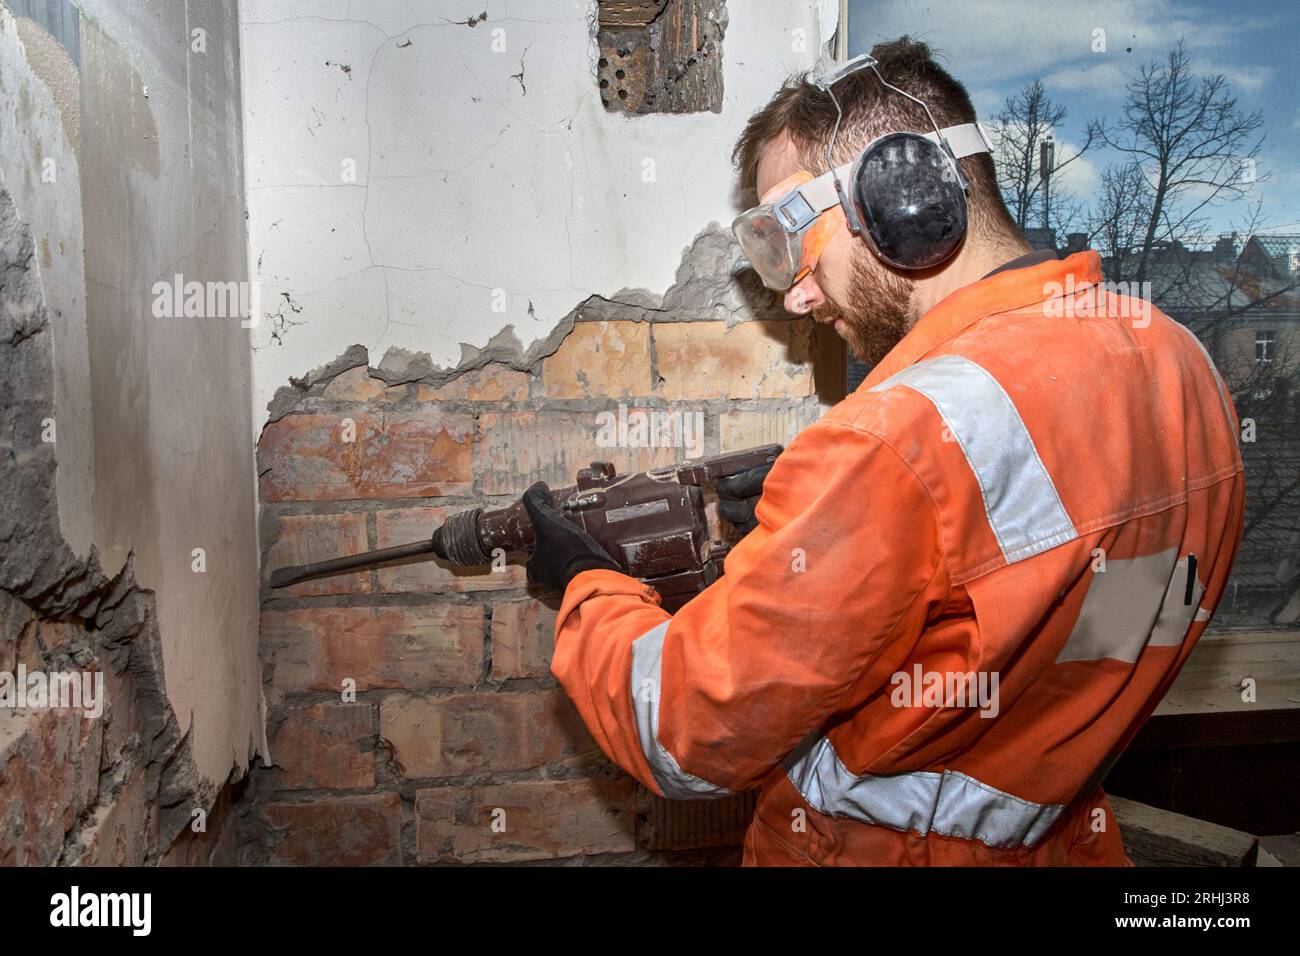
356 385
217 844
492 383
515 449
59 635
319 746
306 538
523 639
124 833
600 360
123 721
525 821
405 525
758 359
398 455
338 831
463 733
416 648
49 775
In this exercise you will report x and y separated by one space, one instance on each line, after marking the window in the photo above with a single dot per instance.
1265 347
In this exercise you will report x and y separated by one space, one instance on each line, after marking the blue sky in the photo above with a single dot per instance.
995 46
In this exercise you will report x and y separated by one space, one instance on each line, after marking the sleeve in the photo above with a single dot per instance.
707 702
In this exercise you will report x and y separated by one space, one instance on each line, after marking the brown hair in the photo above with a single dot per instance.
807 115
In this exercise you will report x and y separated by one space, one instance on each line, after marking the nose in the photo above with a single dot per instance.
804 296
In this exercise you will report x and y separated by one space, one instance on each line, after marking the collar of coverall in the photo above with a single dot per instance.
1025 261
1010 287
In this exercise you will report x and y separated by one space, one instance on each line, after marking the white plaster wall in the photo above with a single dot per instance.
40 100
161 169
469 180
152 414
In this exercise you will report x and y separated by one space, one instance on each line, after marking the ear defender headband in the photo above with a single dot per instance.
905 192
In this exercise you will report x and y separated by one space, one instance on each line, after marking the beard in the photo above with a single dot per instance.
875 313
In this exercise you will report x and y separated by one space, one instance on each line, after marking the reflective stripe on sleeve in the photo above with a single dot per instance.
948 803
676 783
1023 507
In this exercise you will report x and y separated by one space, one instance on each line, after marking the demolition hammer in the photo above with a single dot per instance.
652 523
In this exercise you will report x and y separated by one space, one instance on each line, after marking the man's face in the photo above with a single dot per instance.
850 288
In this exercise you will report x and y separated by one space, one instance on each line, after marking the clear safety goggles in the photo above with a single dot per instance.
783 238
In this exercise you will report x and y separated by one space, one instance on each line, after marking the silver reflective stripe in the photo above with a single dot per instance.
948 803
676 783
1023 508
1135 603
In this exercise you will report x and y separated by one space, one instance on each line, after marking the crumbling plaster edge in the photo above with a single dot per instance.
39 568
713 245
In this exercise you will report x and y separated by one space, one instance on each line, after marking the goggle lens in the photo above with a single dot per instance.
773 252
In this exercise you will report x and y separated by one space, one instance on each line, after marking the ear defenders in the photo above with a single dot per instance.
905 192
906 196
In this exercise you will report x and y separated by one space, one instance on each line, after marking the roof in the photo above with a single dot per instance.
1284 251
1195 280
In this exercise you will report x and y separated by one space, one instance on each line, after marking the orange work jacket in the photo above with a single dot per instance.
971 582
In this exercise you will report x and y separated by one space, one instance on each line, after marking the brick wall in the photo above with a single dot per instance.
458 746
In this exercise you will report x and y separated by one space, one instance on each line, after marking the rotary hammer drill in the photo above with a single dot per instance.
651 523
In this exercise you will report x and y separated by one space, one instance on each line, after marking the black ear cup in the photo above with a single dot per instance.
909 200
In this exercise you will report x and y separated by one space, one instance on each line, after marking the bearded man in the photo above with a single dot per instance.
1036 494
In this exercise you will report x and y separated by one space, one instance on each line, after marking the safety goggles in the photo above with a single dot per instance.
783 238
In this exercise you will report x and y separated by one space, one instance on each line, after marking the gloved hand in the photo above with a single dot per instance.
738 497
561 550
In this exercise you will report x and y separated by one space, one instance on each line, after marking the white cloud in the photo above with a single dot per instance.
989 102
1082 178
1105 78
987 42
1248 78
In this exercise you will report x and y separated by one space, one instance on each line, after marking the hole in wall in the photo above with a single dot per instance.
660 56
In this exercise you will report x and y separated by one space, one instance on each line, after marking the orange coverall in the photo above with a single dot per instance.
1040 485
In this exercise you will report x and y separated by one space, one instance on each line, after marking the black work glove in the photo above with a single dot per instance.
561 550
738 497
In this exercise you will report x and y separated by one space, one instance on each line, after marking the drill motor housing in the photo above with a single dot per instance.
652 523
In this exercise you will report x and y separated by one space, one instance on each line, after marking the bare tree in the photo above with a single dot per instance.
1192 143
1119 217
1029 119
1187 148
